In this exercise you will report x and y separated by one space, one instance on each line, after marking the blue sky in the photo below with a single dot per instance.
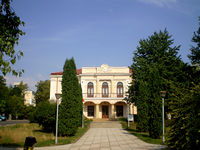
96 32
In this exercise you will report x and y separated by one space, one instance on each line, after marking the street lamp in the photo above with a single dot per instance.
127 100
163 94
83 115
58 96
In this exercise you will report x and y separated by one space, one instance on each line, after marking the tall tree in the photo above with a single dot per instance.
43 91
184 131
10 31
155 63
69 111
195 51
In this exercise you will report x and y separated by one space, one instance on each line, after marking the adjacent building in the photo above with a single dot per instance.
104 89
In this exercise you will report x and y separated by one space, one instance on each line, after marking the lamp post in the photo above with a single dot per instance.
58 96
83 115
163 94
127 100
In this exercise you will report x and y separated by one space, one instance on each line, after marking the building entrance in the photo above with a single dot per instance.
119 111
104 111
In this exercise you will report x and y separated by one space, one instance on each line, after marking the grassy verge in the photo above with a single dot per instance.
14 136
141 135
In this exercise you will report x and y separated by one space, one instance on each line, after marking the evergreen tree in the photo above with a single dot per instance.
155 64
154 113
142 106
184 131
69 111
195 51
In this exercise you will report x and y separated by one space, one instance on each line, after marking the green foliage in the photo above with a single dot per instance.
195 51
142 107
43 91
155 64
16 107
154 113
4 93
45 115
185 124
71 105
184 132
9 37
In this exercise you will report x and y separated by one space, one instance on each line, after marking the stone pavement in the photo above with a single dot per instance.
106 135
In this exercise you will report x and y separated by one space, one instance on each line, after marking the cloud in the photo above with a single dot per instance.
28 80
160 3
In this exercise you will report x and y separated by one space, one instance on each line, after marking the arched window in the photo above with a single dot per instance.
120 89
105 89
90 89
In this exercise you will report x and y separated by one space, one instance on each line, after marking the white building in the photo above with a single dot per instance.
103 89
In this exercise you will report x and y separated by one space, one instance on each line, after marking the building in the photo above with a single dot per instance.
103 89
29 99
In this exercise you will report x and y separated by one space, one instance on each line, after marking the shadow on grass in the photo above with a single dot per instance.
11 145
40 130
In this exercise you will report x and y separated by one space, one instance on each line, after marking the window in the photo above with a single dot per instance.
90 111
119 89
90 90
105 89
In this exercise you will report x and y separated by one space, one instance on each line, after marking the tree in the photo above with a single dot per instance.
16 107
4 93
23 87
195 51
70 108
185 126
9 37
43 91
155 63
45 115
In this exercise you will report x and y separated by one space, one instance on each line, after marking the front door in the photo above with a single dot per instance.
104 111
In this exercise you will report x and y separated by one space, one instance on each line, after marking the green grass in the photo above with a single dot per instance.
141 135
14 136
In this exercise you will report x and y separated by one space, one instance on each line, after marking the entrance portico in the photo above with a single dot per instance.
104 109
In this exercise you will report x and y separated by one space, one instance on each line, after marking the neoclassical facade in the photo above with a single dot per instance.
103 89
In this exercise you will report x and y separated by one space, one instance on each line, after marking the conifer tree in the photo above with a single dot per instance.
142 106
195 51
69 110
185 126
155 63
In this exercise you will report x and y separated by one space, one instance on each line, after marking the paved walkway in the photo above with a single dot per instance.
106 135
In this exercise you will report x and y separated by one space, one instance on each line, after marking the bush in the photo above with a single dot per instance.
45 115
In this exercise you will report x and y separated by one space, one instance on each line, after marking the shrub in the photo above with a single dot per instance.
45 115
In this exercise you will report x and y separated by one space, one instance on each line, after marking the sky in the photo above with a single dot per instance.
95 32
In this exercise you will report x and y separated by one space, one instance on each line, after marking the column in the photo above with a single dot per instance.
112 111
97 111
131 109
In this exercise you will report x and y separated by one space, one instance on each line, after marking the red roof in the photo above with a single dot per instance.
130 70
78 71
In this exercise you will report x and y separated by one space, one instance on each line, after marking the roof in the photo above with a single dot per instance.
78 71
130 70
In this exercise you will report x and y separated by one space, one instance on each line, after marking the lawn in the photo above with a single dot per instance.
14 136
141 135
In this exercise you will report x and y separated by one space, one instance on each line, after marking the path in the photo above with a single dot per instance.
105 135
